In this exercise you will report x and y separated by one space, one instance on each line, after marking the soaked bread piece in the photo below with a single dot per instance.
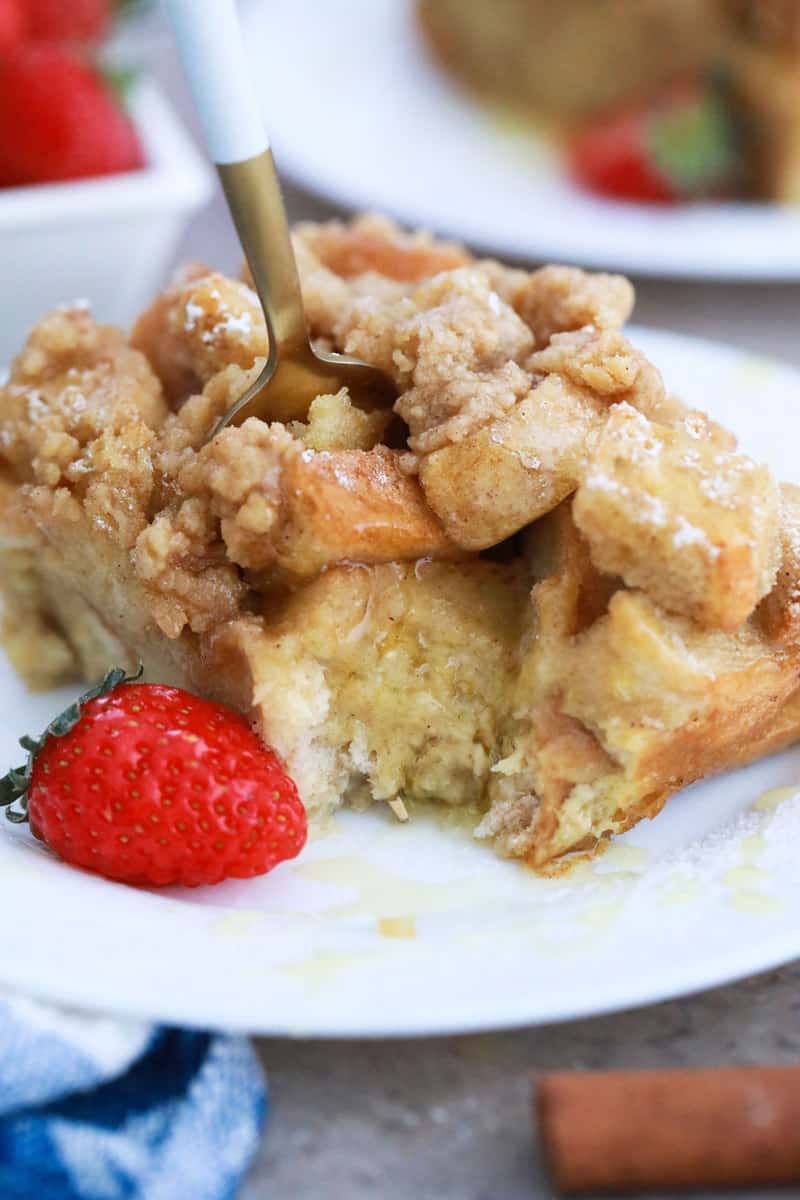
513 469
196 328
696 527
284 506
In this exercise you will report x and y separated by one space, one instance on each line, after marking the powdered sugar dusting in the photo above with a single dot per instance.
652 510
224 322
193 313
80 304
735 872
763 839
604 483
691 535
231 323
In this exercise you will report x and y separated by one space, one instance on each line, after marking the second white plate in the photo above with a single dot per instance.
358 113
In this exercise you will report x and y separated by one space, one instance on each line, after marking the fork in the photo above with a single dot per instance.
211 49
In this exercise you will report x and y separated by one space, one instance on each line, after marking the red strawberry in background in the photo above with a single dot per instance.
82 21
12 25
59 120
150 785
684 145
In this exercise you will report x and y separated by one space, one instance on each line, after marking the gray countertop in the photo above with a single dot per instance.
448 1118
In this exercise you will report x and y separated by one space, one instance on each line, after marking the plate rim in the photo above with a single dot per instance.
737 968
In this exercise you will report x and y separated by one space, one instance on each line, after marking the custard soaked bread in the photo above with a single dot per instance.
542 588
617 703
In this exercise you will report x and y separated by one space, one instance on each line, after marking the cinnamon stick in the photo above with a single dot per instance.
622 1131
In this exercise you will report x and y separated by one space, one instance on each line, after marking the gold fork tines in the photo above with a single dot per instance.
294 373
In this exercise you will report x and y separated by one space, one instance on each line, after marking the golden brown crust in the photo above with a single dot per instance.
372 245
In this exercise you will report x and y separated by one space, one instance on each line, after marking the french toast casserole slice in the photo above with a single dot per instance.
541 588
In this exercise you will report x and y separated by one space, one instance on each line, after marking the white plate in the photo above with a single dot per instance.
357 112
707 892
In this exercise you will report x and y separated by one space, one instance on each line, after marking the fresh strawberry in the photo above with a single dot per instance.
12 25
151 786
59 120
682 146
611 158
67 20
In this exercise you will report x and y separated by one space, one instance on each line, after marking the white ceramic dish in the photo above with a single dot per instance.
382 929
359 114
108 240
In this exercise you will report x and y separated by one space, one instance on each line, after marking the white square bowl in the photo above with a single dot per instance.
108 240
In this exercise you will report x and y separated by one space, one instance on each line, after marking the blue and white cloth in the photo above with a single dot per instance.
93 1108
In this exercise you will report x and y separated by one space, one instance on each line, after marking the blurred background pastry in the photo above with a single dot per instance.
662 100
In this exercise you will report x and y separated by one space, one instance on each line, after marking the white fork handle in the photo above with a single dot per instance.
210 44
